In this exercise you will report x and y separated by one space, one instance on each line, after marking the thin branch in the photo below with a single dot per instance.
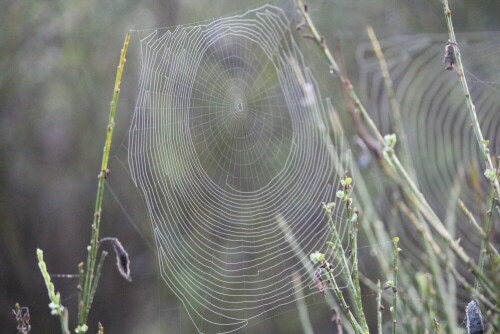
476 225
90 283
485 240
394 310
380 308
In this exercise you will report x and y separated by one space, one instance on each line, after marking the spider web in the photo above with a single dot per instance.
230 146
434 114
435 119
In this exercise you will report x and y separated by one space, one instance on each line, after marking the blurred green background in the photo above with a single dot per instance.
57 69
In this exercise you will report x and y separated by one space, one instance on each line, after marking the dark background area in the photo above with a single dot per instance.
57 68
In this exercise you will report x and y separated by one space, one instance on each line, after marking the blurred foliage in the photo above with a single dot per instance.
57 65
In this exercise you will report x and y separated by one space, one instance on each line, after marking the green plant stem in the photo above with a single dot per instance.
472 219
64 320
485 239
468 99
90 283
98 272
412 294
81 278
479 229
355 272
430 296
379 308
395 287
450 300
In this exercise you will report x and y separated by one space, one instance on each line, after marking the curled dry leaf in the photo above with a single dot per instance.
122 259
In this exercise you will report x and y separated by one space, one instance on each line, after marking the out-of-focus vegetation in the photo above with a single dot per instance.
57 65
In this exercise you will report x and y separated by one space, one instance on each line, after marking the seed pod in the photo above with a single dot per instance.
474 318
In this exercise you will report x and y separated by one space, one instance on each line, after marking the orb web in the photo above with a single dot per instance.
435 118
230 146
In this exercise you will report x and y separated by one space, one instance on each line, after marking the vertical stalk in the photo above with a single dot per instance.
379 308
395 286
89 281
450 304
485 239
355 274
81 277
